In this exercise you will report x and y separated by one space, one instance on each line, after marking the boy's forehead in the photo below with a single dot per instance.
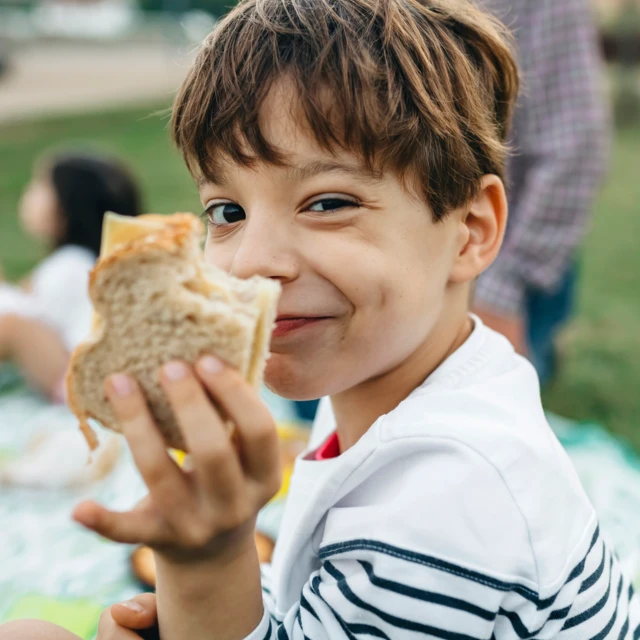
297 167
300 170
284 126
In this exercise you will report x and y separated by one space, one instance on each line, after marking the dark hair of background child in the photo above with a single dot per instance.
87 186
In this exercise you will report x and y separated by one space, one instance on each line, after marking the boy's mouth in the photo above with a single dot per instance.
286 325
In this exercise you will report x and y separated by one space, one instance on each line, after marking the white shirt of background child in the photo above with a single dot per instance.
58 294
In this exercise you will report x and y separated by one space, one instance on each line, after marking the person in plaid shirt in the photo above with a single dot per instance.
560 141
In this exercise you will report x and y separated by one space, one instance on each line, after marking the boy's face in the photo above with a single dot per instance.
364 268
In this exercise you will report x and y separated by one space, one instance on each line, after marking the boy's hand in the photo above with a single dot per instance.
207 512
120 621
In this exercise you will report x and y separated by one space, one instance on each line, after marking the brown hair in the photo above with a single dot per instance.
425 88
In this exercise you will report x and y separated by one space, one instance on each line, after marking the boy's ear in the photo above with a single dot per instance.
482 228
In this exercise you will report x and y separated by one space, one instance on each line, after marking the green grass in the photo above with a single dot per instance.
600 377
139 136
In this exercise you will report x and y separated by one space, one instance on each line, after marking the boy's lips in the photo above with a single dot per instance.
288 324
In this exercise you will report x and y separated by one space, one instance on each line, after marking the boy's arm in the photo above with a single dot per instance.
561 143
200 520
221 599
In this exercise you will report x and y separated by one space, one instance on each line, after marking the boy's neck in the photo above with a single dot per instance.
356 409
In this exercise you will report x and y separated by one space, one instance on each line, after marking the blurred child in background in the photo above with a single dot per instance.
43 319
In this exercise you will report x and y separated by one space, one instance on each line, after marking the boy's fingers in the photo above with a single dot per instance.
258 436
214 458
109 629
129 527
165 481
138 613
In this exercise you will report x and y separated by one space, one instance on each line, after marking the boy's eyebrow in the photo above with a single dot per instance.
318 167
310 170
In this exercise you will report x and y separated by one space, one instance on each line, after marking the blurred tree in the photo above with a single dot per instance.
626 33
215 7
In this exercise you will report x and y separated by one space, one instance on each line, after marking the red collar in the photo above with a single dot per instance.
329 449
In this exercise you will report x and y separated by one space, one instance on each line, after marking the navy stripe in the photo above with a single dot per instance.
348 627
595 609
304 603
269 630
299 619
605 632
401 623
426 596
579 568
429 561
368 630
344 626
636 633
315 586
436 563
282 633
560 614
624 630
595 576
518 625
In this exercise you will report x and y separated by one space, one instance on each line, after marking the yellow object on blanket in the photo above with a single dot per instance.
293 441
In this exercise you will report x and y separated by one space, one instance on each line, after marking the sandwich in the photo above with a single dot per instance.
156 300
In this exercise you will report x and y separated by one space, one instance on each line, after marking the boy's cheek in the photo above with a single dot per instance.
218 254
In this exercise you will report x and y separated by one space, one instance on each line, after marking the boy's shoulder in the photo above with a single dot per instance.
485 398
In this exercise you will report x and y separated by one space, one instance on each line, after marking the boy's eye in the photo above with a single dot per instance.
331 204
224 213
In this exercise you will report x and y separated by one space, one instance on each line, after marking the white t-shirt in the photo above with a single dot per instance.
58 294
457 515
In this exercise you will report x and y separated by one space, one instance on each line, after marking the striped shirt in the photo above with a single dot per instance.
560 139
457 515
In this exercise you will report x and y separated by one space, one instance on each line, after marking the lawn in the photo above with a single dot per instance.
600 376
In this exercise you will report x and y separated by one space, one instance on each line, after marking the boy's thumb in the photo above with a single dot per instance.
138 613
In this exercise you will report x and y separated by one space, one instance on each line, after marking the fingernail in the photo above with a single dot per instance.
132 605
211 365
175 371
121 384
86 519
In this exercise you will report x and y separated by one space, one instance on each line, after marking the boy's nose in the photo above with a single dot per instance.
265 251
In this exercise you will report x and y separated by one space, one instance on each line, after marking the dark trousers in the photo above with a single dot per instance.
546 314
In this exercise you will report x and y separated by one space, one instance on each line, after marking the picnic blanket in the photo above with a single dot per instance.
54 570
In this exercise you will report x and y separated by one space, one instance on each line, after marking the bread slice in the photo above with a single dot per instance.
156 300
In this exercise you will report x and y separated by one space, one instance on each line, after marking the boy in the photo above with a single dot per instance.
353 149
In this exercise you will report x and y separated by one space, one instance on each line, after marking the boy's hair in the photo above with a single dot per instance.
425 88
87 186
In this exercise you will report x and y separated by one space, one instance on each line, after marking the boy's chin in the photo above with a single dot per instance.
294 381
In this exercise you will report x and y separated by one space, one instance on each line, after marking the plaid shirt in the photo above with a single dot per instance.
560 139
